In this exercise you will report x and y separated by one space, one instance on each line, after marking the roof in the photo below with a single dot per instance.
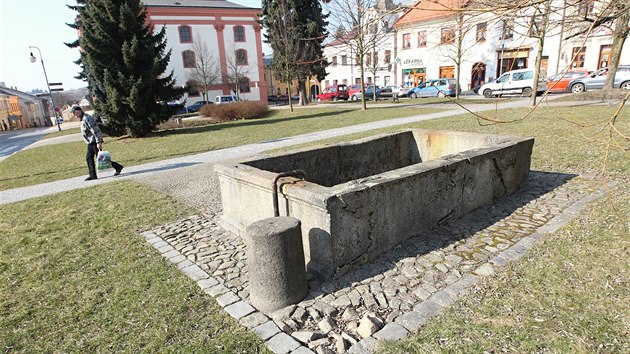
20 94
194 3
427 10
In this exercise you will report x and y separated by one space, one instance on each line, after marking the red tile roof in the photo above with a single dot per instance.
425 10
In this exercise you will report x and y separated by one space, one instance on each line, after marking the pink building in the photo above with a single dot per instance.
231 34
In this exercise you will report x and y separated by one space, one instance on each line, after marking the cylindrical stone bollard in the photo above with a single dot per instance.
275 262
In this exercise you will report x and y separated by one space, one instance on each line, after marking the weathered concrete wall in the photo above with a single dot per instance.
355 220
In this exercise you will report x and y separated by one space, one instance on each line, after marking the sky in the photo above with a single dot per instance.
42 23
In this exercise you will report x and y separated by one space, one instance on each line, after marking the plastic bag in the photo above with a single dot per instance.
103 160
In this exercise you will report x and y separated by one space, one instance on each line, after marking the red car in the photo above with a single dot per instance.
334 93
560 81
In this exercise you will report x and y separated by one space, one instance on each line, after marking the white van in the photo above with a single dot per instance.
515 82
223 99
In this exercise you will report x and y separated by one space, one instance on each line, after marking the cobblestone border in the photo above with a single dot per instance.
233 299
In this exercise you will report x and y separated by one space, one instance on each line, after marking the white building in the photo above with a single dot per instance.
427 35
379 64
231 32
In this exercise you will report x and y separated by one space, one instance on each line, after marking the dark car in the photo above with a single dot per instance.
195 107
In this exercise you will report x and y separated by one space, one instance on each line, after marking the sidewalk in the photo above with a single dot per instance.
153 169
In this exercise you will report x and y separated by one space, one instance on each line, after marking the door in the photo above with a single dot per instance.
478 75
418 78
604 55
447 72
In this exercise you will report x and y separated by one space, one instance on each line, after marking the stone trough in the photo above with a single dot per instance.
361 198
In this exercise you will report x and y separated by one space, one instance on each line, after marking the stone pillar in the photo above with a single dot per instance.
275 261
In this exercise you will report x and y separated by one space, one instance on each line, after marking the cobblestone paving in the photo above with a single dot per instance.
391 297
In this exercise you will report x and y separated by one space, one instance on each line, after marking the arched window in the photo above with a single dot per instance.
243 85
185 34
241 57
239 34
188 56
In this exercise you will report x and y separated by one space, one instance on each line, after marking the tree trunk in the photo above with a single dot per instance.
619 38
541 41
302 90
289 94
458 62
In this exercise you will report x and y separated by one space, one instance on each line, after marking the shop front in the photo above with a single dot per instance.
512 59
413 71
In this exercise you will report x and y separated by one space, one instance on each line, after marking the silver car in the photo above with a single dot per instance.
596 80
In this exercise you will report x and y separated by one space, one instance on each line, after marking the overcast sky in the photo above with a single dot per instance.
42 23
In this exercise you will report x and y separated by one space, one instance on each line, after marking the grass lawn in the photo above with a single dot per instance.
55 162
571 293
61 133
76 276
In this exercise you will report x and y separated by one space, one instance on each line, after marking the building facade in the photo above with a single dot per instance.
436 39
379 50
231 34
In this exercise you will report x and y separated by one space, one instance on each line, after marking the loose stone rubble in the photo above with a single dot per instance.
391 297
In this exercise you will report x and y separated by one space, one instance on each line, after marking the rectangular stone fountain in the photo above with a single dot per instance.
363 197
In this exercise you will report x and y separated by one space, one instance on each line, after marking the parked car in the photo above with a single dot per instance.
333 93
519 82
596 80
387 91
560 81
352 91
225 99
195 107
399 91
180 108
369 93
434 88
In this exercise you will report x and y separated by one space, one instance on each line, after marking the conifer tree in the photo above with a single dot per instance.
296 30
124 63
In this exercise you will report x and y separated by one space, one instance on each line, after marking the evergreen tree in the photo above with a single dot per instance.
296 30
124 63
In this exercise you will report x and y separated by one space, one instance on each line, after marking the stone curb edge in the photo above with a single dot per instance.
402 326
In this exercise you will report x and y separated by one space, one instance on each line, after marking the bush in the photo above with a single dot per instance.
206 110
238 110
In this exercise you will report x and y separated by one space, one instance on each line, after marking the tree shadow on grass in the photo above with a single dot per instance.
247 123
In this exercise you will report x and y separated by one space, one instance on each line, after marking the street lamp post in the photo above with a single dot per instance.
34 59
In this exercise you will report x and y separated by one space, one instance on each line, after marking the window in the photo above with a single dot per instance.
357 61
188 56
369 80
386 81
373 28
345 81
375 58
241 57
243 85
239 34
481 31
577 57
508 29
326 83
192 89
388 56
406 41
185 34
368 59
335 83
586 7
448 35
357 81
422 39
334 61
344 60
